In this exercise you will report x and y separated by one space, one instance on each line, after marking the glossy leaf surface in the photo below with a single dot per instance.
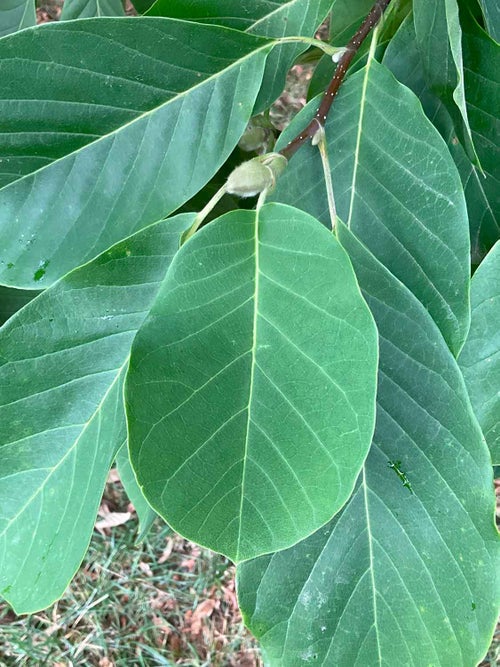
16 15
128 109
480 356
407 573
62 362
84 9
250 394
483 94
396 185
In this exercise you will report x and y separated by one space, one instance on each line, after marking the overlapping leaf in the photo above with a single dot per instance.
251 387
16 15
108 126
439 39
84 9
407 573
62 361
491 10
396 185
480 356
483 95
145 513
259 17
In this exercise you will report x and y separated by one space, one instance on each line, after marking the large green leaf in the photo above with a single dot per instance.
250 394
110 125
260 17
16 15
84 9
491 10
396 185
483 94
439 39
407 573
62 361
480 356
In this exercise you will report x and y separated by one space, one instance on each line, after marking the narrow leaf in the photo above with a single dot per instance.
396 185
407 573
480 356
439 38
482 65
259 355
84 9
491 11
16 15
145 513
62 361
108 126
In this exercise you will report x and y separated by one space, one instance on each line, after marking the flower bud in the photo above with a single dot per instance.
256 175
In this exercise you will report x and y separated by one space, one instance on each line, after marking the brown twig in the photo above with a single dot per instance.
355 42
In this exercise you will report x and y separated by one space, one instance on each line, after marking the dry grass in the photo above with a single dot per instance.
164 602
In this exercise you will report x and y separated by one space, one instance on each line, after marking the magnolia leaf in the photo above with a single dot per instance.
84 9
16 15
259 354
145 513
480 356
62 362
396 185
439 39
481 189
491 11
134 121
407 573
259 17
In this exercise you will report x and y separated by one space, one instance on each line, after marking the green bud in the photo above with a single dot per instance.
256 175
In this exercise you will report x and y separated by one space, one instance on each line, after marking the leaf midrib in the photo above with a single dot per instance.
236 64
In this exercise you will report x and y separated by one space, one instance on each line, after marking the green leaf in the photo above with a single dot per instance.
12 300
491 11
481 189
62 361
16 15
480 356
439 39
259 17
259 322
84 9
145 512
400 576
134 121
396 185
